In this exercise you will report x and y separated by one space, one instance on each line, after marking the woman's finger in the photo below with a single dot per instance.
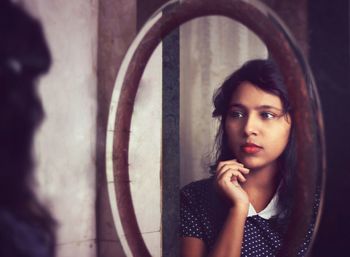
230 174
226 167
234 161
238 176
243 170
234 181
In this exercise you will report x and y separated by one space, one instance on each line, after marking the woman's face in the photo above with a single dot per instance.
256 126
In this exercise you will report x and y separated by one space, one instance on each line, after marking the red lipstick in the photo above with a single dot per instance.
251 148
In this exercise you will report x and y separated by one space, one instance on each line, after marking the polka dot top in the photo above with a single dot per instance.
203 215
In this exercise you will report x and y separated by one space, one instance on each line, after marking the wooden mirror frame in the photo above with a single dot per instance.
300 85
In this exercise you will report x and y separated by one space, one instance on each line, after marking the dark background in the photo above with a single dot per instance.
329 60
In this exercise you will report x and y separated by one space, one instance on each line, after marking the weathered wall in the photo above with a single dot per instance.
116 30
65 144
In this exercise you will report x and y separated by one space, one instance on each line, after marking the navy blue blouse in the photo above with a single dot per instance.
203 214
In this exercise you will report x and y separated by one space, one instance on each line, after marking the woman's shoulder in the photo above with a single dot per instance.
198 190
198 186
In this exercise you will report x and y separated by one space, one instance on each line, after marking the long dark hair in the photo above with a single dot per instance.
265 75
24 55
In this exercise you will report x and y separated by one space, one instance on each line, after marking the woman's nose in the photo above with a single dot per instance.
251 126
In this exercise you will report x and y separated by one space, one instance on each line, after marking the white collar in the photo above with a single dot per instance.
270 210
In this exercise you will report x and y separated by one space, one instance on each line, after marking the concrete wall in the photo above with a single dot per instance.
65 144
116 30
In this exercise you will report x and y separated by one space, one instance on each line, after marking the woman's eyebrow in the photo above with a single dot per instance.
268 107
236 105
260 107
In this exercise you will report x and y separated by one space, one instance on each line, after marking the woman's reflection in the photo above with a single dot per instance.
244 208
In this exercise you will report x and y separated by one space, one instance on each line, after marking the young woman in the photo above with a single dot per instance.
243 209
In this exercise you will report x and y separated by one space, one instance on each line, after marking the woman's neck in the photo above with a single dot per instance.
263 178
261 186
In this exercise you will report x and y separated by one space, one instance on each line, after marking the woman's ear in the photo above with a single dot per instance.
288 118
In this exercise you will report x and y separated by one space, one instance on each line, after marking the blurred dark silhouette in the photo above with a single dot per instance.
26 227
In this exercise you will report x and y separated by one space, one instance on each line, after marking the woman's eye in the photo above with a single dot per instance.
268 115
236 114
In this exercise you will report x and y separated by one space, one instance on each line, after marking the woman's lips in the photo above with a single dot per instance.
250 148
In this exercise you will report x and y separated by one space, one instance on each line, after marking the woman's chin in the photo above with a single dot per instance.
252 163
256 164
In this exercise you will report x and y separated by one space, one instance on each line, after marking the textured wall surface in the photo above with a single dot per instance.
144 157
116 30
65 144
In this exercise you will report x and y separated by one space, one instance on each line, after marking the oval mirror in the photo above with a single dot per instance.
166 147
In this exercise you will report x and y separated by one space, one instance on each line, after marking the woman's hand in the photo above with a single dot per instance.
229 175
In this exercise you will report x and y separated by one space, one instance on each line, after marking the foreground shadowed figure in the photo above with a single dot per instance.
26 227
244 208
